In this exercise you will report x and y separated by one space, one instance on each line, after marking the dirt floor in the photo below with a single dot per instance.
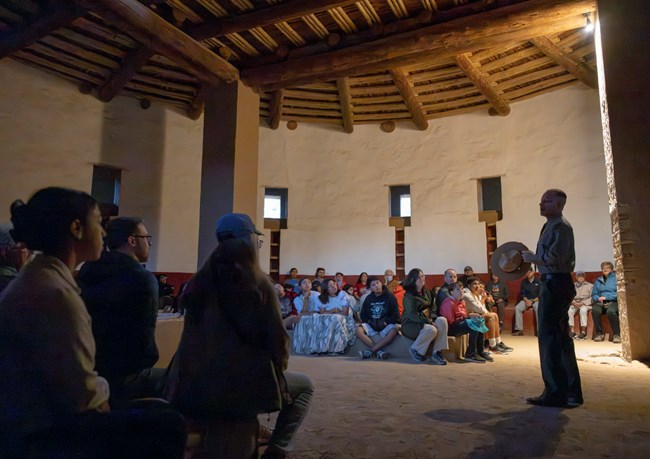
404 409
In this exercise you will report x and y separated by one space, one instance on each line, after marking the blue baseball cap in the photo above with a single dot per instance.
235 225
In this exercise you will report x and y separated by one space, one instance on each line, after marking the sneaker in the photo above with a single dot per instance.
573 335
502 346
474 358
416 355
486 356
518 333
599 337
438 359
617 339
365 354
382 355
582 336
496 350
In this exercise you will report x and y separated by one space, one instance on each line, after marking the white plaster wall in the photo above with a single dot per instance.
338 185
51 135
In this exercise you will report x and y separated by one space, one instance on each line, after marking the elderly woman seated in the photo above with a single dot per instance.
327 327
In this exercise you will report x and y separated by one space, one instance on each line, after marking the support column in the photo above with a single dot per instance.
230 156
623 82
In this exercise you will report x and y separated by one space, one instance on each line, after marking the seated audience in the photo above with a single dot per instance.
390 280
13 256
443 291
229 368
420 321
340 280
293 279
467 273
582 304
529 292
498 293
605 301
319 276
329 329
289 314
164 288
305 301
54 404
379 316
361 287
474 297
289 291
316 286
462 323
122 299
348 289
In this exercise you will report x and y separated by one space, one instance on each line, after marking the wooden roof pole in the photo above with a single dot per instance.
481 81
579 70
285 11
132 62
410 98
275 108
163 38
343 85
37 29
492 28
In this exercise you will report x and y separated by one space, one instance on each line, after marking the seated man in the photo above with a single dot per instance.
605 301
379 316
391 280
122 299
529 294
444 291
289 314
581 303
468 272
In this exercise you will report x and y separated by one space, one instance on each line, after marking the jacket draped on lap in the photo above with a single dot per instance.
413 317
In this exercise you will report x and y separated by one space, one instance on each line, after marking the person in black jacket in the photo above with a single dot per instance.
379 316
122 299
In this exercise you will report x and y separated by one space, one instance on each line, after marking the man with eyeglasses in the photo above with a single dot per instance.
122 299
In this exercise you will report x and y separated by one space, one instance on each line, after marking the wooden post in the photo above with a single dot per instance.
343 86
410 98
483 84
575 68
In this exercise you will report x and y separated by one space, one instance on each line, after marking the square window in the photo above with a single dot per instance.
272 206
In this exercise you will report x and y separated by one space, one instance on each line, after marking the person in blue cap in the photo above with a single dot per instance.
231 362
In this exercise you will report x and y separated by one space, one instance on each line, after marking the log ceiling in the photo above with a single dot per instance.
345 62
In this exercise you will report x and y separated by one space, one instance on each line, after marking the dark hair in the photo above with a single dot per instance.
339 273
472 279
315 285
119 230
231 275
44 222
319 269
300 282
287 286
455 285
411 278
360 276
324 297
347 287
293 269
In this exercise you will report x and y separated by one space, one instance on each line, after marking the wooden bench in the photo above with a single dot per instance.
399 348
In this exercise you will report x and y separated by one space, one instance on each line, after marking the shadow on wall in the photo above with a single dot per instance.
134 140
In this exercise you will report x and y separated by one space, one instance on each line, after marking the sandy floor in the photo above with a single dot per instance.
400 409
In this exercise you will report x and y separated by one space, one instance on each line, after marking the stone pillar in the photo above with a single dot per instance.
230 154
625 106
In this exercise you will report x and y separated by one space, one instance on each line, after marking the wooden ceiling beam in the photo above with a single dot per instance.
152 31
482 83
275 108
285 11
131 64
40 27
578 69
495 27
410 98
343 86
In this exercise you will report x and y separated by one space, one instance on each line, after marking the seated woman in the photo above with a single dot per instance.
329 327
305 301
462 323
53 403
475 298
231 361
290 315
361 287
419 320
348 289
